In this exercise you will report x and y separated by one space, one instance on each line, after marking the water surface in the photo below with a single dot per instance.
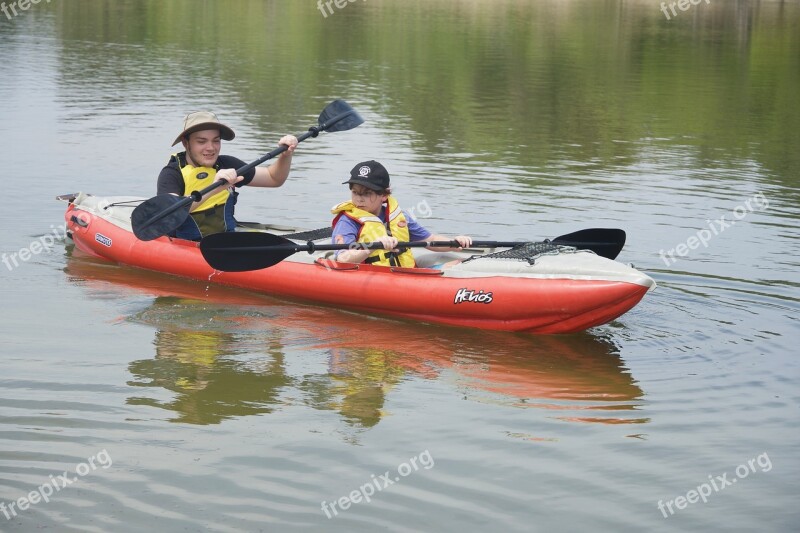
224 410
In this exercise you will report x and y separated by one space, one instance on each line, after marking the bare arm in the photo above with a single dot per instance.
275 175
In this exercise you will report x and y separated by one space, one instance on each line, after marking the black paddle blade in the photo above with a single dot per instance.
245 250
339 116
160 215
605 242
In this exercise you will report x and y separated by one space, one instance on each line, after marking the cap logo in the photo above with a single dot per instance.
363 171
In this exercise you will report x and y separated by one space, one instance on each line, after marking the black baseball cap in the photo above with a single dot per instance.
371 175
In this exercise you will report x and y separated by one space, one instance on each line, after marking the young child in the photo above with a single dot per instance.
373 215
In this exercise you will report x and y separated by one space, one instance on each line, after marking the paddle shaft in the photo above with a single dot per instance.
311 247
241 251
197 196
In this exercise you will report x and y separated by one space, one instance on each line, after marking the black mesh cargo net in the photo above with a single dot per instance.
528 251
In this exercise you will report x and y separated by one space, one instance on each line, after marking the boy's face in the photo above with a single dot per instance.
203 147
366 199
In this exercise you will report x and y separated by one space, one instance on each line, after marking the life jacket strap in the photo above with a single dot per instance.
383 255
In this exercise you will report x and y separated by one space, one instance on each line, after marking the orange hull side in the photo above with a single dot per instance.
517 304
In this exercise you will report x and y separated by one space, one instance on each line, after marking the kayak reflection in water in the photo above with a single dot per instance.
373 215
222 354
362 378
206 372
581 377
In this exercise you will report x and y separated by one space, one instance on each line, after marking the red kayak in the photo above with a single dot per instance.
561 291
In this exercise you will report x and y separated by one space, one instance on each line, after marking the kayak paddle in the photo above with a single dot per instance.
251 250
163 214
605 242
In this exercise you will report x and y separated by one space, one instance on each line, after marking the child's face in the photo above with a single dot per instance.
367 199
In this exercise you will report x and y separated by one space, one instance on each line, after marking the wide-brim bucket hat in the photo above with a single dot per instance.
204 120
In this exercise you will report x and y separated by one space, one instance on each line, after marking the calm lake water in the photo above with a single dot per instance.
175 406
